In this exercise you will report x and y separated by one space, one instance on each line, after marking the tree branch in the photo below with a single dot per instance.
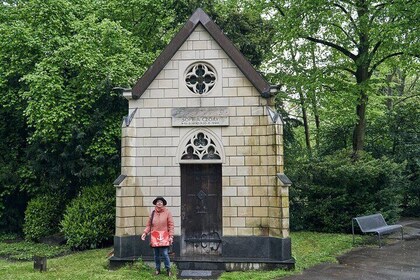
348 15
351 3
349 70
346 33
398 101
413 84
332 89
382 60
279 9
378 8
332 45
375 49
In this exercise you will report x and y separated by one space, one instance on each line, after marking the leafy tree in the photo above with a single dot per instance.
341 55
357 36
241 21
396 131
152 23
14 172
59 61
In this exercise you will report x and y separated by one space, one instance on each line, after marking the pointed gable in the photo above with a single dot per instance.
200 17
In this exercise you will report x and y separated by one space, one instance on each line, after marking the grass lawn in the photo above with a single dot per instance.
307 248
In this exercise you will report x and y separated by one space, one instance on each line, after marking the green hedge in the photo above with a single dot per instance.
89 220
411 198
42 217
328 192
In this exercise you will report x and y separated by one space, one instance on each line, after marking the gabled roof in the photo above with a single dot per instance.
200 17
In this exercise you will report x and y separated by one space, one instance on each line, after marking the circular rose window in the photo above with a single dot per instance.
200 78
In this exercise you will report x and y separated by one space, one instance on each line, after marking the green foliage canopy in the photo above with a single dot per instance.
354 39
59 61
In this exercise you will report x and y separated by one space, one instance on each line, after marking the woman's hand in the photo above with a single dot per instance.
143 236
171 239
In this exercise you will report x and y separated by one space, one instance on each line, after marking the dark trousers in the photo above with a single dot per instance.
164 252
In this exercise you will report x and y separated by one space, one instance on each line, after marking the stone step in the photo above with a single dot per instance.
199 274
196 264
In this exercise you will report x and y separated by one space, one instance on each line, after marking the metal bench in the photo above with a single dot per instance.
375 224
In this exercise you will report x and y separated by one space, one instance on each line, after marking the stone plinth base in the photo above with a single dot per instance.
239 253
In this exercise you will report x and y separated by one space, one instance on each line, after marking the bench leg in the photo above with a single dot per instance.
402 234
379 239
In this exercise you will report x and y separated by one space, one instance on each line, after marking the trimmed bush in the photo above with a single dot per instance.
326 194
89 220
42 217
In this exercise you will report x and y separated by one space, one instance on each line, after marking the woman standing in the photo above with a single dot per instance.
161 221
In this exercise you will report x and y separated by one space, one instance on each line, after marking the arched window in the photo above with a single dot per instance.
200 146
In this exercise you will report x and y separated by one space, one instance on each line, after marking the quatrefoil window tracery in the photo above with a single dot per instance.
200 147
200 78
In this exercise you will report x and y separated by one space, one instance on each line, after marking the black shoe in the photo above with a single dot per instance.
157 272
169 273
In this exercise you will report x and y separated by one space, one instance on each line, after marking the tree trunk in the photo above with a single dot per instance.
305 121
360 128
315 104
302 100
362 76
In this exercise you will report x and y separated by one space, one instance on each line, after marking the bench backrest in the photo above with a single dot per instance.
367 223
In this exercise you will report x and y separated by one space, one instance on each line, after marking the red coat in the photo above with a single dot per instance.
162 221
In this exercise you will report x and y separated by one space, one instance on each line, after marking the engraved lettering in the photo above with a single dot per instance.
203 116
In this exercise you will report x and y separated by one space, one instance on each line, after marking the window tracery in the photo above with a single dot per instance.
200 147
200 78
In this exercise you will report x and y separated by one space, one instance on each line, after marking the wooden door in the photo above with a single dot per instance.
201 210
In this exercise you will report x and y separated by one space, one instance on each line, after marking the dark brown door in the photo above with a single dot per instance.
201 210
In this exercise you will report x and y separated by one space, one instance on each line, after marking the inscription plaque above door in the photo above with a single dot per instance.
200 116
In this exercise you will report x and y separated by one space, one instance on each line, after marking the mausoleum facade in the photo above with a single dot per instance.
202 131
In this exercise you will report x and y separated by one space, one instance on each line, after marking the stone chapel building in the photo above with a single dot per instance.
203 133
